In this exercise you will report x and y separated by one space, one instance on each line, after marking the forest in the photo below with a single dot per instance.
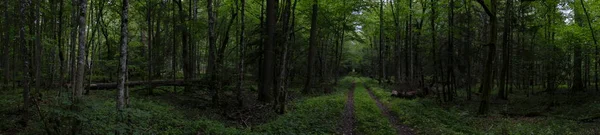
71 67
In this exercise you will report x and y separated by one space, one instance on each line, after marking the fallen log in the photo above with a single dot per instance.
154 83
407 94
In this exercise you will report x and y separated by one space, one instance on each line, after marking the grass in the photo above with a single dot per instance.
429 117
370 119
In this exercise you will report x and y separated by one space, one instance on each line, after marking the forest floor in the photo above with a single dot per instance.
356 106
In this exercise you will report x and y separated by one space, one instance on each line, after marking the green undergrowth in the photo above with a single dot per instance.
428 117
307 115
370 119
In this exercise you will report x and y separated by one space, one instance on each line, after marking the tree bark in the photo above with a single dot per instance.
122 97
242 45
38 48
185 46
502 93
82 51
595 44
212 71
487 74
25 57
5 50
265 92
381 43
149 43
311 48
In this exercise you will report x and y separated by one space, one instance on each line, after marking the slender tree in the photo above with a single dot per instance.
122 99
211 50
312 48
595 43
25 58
242 47
489 63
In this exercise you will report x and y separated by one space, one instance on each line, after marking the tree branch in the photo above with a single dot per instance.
487 10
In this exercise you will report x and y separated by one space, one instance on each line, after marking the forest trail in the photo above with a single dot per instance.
401 129
348 116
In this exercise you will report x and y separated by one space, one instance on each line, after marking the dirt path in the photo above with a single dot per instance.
401 129
348 116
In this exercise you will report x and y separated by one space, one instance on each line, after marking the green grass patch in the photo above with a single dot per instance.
370 119
428 117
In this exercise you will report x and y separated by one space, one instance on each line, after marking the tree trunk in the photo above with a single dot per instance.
212 71
82 52
122 97
265 92
149 43
182 27
502 93
450 52
25 57
381 43
38 48
5 50
595 44
242 47
487 74
311 48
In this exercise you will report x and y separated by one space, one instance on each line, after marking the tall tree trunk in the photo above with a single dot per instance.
450 52
150 49
212 71
595 44
407 42
381 43
182 27
80 72
73 43
280 87
397 45
242 47
5 50
122 96
25 57
264 94
487 74
505 48
38 48
433 41
311 48
61 55
82 52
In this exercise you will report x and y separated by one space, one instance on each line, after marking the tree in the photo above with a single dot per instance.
123 93
489 63
265 92
78 93
312 47
595 43
212 67
242 46
5 49
80 73
502 93
25 55
381 43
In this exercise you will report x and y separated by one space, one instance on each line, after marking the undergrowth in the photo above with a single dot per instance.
427 116
311 115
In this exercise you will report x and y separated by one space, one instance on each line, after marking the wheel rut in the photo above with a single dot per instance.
401 129
348 121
